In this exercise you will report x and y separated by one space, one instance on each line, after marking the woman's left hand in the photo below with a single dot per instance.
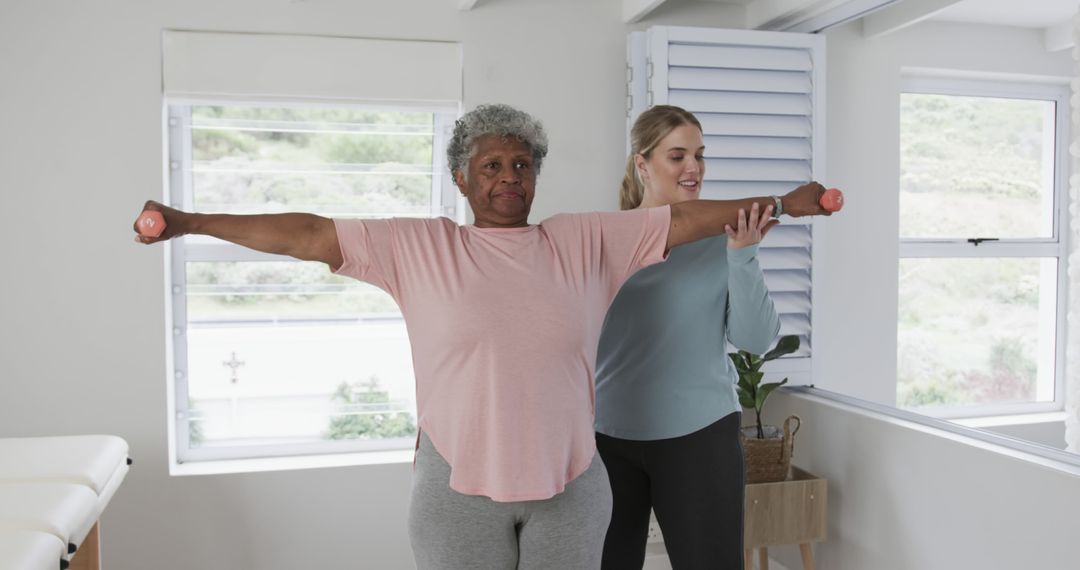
752 226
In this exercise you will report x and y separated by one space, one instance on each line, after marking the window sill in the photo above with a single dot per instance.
1011 419
262 464
1056 459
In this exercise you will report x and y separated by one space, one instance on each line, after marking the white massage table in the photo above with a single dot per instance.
53 490
30 550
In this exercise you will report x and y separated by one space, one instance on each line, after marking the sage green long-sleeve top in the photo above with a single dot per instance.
662 368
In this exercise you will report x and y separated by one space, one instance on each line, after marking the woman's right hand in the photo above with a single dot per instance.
805 201
752 226
175 222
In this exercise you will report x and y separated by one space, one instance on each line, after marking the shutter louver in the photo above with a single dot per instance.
757 95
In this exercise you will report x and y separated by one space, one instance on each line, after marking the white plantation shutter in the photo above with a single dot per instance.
760 99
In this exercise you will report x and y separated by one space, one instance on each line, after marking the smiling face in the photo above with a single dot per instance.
674 169
500 183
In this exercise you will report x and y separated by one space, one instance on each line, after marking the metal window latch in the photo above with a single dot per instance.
977 241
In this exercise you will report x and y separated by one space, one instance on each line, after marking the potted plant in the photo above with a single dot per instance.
767 449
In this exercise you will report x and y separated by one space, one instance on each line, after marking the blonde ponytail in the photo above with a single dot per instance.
632 191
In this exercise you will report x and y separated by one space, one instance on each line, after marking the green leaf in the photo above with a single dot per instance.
738 361
746 400
787 345
764 391
747 359
744 385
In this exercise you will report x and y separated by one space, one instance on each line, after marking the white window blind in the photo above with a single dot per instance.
309 68
760 99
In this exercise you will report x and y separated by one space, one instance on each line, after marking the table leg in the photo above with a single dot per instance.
88 557
748 559
763 558
807 556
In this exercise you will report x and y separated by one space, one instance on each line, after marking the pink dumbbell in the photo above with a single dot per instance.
832 200
150 223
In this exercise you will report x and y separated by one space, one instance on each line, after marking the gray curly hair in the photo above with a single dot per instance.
496 119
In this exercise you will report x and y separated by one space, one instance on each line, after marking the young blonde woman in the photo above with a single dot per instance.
667 416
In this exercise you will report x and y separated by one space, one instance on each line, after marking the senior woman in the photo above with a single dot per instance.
504 318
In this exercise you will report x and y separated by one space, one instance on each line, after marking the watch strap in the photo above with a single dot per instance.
778 208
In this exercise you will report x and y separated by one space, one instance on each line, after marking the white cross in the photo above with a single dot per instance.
234 364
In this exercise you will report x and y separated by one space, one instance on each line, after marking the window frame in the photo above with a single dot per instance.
178 193
1056 246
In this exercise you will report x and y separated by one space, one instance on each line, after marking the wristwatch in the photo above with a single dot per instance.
778 210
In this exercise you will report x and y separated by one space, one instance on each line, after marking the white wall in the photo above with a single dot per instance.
82 341
902 497
1050 434
855 336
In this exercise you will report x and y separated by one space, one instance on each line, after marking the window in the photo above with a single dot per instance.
274 356
981 269
269 356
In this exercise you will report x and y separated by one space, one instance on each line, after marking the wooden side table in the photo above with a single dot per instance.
785 512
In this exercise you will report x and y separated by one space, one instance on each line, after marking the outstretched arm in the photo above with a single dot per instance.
303 236
698 219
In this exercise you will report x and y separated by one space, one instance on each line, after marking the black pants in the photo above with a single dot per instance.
695 485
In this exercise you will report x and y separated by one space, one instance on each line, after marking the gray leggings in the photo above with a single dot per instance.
452 531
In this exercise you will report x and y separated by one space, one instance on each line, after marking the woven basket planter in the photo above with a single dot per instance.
768 460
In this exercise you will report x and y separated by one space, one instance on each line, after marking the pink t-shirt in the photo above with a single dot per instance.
504 325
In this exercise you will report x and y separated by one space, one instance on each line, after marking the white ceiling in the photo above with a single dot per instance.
1022 13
